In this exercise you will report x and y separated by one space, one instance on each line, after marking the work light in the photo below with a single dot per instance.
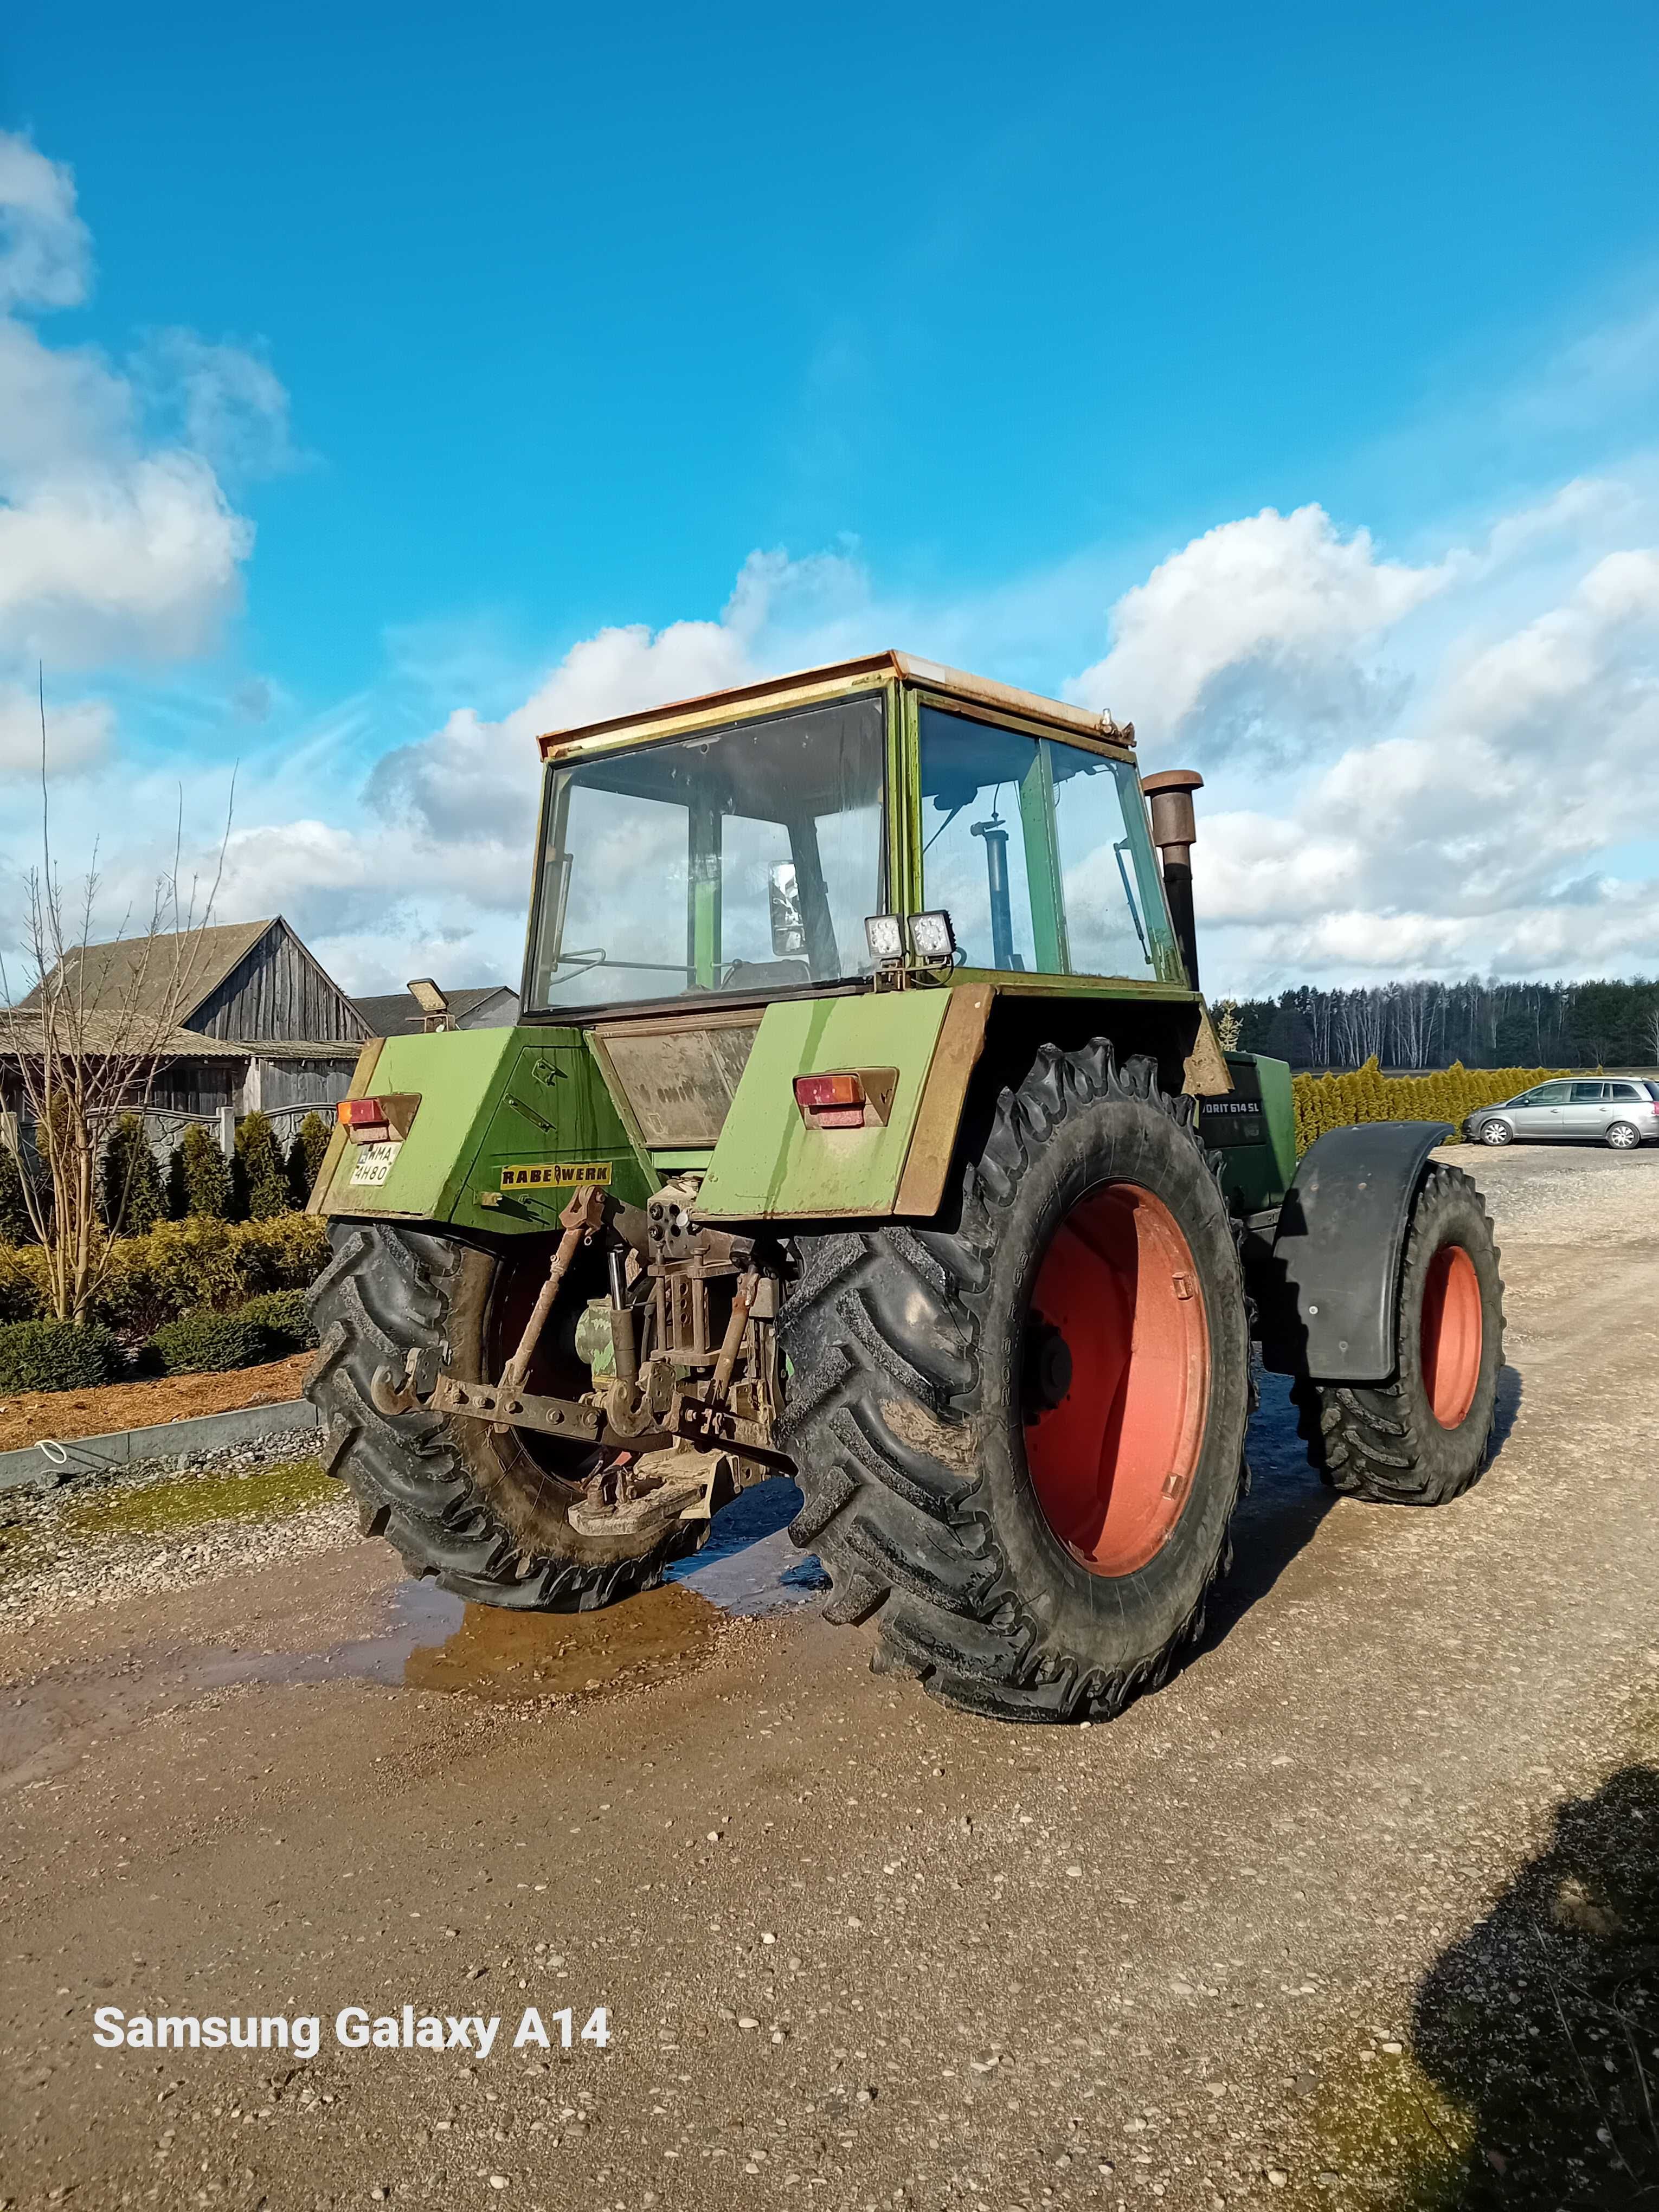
932 937
884 936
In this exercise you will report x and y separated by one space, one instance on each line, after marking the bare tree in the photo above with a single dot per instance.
99 1018
1358 1026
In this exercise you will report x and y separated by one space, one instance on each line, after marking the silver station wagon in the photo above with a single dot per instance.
1621 1110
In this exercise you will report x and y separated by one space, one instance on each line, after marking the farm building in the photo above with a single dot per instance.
400 1013
261 1026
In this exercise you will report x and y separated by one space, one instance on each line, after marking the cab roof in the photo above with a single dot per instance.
975 694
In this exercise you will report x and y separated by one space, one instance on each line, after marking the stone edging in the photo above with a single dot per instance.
205 1432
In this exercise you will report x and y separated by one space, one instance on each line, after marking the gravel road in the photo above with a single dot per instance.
1361 1910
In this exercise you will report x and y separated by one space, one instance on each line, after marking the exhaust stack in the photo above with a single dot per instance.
1175 832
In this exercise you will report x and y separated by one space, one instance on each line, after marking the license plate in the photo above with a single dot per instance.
375 1162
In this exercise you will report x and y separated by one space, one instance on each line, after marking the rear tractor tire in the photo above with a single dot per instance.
484 1514
1422 1438
1021 1438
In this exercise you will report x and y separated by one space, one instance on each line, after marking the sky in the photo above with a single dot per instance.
380 387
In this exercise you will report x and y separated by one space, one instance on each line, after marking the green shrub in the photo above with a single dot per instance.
304 1158
129 1182
259 1177
201 1265
287 1253
22 1282
1446 1094
284 1314
205 1177
57 1355
15 1227
210 1343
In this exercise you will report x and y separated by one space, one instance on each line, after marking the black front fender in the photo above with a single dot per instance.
1328 1294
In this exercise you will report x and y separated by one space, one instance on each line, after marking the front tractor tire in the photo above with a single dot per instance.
1422 1438
485 1514
1021 1438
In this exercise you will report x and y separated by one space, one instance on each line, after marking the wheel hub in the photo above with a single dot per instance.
1116 1378
1452 1331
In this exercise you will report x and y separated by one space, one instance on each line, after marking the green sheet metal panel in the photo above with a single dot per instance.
1252 1130
554 1115
768 1162
456 1075
489 1100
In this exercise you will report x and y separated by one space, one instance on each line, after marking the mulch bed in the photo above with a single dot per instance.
65 1414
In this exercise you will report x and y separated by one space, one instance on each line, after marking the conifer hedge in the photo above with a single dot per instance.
1445 1094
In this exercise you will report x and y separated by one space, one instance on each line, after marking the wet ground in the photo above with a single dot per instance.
1351 1905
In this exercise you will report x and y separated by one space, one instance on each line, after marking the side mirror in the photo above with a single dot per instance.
788 930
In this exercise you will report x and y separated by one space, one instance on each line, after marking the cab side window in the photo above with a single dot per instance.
974 802
1039 849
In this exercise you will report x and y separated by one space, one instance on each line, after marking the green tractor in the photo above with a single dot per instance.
864 1123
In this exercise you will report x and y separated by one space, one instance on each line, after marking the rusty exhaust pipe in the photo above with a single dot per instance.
1175 832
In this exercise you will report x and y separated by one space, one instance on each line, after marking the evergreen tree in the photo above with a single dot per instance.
304 1157
258 1176
178 1190
206 1179
130 1186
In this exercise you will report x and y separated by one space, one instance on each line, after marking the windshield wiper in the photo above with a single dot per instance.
598 956
1134 911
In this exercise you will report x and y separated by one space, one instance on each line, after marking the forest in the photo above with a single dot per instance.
1478 1024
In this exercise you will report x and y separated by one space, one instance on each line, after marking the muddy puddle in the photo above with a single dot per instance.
435 1642
425 1639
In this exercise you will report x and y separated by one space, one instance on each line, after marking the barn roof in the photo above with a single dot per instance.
138 974
22 1036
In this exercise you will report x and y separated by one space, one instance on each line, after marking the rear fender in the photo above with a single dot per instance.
1328 1295
768 1165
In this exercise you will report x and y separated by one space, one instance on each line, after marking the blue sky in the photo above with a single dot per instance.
500 331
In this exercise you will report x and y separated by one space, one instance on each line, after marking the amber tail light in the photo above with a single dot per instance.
373 1120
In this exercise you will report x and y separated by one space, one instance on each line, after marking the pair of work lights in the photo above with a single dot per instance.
926 936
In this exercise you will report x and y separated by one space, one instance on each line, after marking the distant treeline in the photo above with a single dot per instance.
1437 1024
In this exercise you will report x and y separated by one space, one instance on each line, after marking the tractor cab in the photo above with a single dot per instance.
770 843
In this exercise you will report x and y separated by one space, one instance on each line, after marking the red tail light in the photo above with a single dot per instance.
830 1102
353 1113
814 1093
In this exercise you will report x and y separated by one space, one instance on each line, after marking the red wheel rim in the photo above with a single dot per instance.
1451 1334
1117 1370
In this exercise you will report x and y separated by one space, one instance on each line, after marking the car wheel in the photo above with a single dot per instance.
1622 1136
1497 1133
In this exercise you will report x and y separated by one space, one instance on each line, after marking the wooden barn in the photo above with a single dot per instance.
263 1027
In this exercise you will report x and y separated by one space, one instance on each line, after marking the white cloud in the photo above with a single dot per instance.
1283 590
78 734
1474 833
142 561
45 254
117 541
472 776
225 403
